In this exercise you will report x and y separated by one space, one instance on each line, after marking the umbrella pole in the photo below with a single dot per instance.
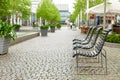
104 19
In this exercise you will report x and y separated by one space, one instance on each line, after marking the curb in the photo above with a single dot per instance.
113 45
23 38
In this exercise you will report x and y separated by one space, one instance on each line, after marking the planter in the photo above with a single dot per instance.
17 29
44 32
58 26
52 29
4 44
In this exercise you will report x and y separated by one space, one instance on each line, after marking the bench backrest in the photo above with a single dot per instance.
93 41
91 34
101 40
89 31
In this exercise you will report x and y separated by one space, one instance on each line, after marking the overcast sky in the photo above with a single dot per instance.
69 2
112 0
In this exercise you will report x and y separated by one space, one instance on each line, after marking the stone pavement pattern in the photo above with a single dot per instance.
50 58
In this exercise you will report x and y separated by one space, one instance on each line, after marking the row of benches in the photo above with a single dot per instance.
92 45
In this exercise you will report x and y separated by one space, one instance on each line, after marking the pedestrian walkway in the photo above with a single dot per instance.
50 58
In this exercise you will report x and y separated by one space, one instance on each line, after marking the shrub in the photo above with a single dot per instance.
7 30
34 25
58 26
113 38
52 26
44 27
16 25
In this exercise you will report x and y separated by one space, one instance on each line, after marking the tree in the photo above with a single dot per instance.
48 11
54 12
4 8
80 5
12 7
25 9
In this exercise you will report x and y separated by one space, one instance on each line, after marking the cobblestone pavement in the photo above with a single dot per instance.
50 58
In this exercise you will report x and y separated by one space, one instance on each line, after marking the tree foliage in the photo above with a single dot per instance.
11 7
80 5
4 8
25 8
48 11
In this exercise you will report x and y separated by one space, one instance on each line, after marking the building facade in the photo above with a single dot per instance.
64 12
63 8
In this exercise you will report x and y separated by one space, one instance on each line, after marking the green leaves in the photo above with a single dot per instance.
48 11
24 8
10 7
52 26
81 5
6 30
16 25
44 27
4 8
58 25
78 6
113 38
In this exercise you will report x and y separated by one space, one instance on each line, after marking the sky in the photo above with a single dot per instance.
69 2
112 0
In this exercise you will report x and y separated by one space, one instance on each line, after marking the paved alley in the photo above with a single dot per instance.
50 58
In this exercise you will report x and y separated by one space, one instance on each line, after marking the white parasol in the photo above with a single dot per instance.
111 7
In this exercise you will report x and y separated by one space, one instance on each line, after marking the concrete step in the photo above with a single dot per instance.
24 36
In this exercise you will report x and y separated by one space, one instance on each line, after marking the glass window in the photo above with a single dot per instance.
65 14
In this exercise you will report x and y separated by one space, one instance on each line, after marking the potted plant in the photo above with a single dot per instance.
16 27
6 33
44 30
34 25
52 28
59 26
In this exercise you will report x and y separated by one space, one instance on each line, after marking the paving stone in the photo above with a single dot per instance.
50 58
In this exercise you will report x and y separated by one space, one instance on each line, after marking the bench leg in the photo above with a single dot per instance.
105 55
106 62
101 60
77 61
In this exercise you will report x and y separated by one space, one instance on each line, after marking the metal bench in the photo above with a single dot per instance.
88 33
88 38
96 51
91 43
